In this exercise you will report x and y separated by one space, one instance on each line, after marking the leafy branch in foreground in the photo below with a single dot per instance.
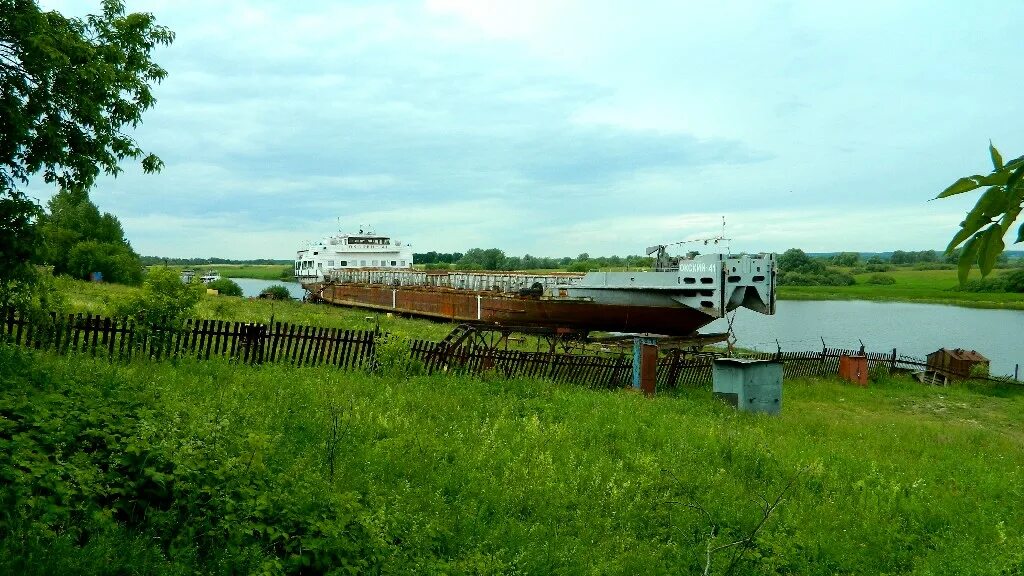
981 233
70 88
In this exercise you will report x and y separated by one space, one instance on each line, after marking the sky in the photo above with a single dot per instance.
556 128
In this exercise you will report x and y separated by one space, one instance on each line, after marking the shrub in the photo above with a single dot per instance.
164 299
392 357
997 284
226 286
276 292
881 279
89 454
878 267
1014 281
829 277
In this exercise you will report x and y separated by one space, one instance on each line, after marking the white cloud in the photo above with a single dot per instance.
564 127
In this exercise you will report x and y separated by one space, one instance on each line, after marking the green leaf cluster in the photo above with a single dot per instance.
164 299
276 292
70 88
226 287
796 268
980 237
84 455
19 242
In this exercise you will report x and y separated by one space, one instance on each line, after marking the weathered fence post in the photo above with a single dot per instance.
645 364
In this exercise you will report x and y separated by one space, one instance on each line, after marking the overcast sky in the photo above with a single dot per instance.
554 128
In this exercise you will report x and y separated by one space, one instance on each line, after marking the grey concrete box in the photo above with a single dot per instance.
749 385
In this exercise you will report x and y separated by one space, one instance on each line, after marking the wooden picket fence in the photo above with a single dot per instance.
299 345
249 343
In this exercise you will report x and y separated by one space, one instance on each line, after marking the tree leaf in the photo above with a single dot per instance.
1018 161
1015 179
965 184
967 258
997 158
991 247
989 206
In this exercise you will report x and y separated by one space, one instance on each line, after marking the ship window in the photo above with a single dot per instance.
315 253
319 264
376 262
403 262
330 263
343 263
393 263
362 262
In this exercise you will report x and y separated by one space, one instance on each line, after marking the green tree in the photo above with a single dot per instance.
19 243
480 259
796 260
69 87
981 233
848 259
79 240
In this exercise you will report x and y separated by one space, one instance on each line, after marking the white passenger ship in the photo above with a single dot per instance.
347 251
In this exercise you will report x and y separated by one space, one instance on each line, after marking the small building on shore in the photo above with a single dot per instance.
957 363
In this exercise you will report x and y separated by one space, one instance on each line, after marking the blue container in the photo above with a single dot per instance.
749 385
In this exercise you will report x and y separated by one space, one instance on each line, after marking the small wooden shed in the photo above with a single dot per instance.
956 363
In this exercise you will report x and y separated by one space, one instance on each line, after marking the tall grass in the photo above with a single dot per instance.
476 475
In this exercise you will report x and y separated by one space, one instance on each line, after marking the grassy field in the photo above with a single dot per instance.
925 286
105 299
259 271
211 467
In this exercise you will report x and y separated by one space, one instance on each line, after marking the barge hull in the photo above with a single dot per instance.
509 311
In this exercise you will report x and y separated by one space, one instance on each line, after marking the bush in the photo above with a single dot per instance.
392 357
829 277
881 279
88 455
276 292
164 299
226 286
997 284
878 267
1014 281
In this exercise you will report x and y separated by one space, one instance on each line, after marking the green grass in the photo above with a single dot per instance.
105 299
258 271
462 475
924 286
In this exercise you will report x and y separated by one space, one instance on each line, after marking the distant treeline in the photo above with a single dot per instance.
157 260
495 259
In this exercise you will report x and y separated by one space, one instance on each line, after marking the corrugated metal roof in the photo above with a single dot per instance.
961 354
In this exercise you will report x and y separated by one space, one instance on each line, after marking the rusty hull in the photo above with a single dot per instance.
512 311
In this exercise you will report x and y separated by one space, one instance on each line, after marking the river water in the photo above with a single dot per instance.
913 329
253 286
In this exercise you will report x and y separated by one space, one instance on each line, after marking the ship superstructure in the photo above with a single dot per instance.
676 301
350 251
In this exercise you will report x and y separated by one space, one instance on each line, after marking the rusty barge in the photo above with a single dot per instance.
674 302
